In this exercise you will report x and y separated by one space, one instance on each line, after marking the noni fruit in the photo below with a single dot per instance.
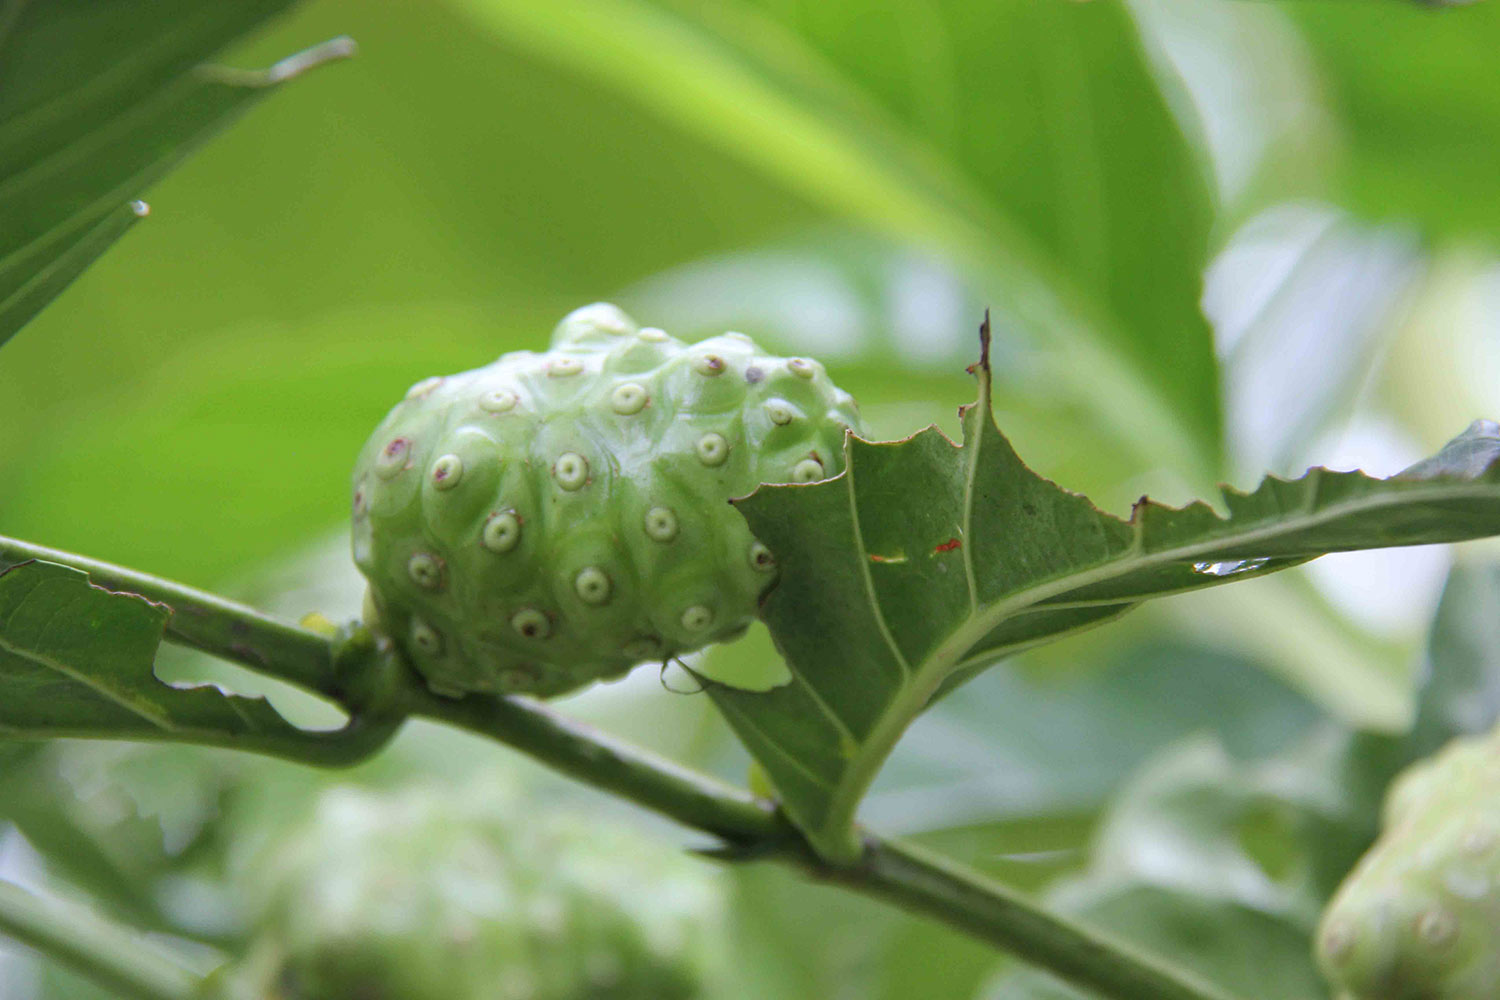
553 519
477 893
1419 917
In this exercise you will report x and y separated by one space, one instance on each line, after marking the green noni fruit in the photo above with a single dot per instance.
1419 917
477 894
553 519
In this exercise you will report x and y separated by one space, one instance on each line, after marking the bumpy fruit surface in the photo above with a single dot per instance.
1419 917
477 894
553 519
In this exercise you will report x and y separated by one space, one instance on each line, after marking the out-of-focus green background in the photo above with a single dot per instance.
1218 239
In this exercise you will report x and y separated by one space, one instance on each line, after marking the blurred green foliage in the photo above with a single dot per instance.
1415 97
193 403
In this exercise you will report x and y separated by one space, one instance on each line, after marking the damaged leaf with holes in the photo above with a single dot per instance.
77 660
926 562
557 517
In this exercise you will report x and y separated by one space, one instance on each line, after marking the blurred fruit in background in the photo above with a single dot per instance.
475 892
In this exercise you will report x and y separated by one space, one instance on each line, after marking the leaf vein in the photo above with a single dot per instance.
862 560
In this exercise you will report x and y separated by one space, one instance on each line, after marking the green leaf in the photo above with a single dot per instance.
76 661
924 562
97 103
1028 142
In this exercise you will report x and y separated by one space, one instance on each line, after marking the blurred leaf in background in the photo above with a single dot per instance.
928 127
1416 98
98 102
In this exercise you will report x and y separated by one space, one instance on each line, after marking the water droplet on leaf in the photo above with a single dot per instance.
1229 567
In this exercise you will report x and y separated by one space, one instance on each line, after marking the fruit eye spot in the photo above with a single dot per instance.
712 449
531 623
563 367
498 401
761 558
392 458
361 502
447 471
806 471
592 585
517 679
801 367
425 570
697 618
600 317
1338 941
423 387
1479 840
780 411
425 638
1437 927
709 364
571 470
501 532
661 524
627 399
